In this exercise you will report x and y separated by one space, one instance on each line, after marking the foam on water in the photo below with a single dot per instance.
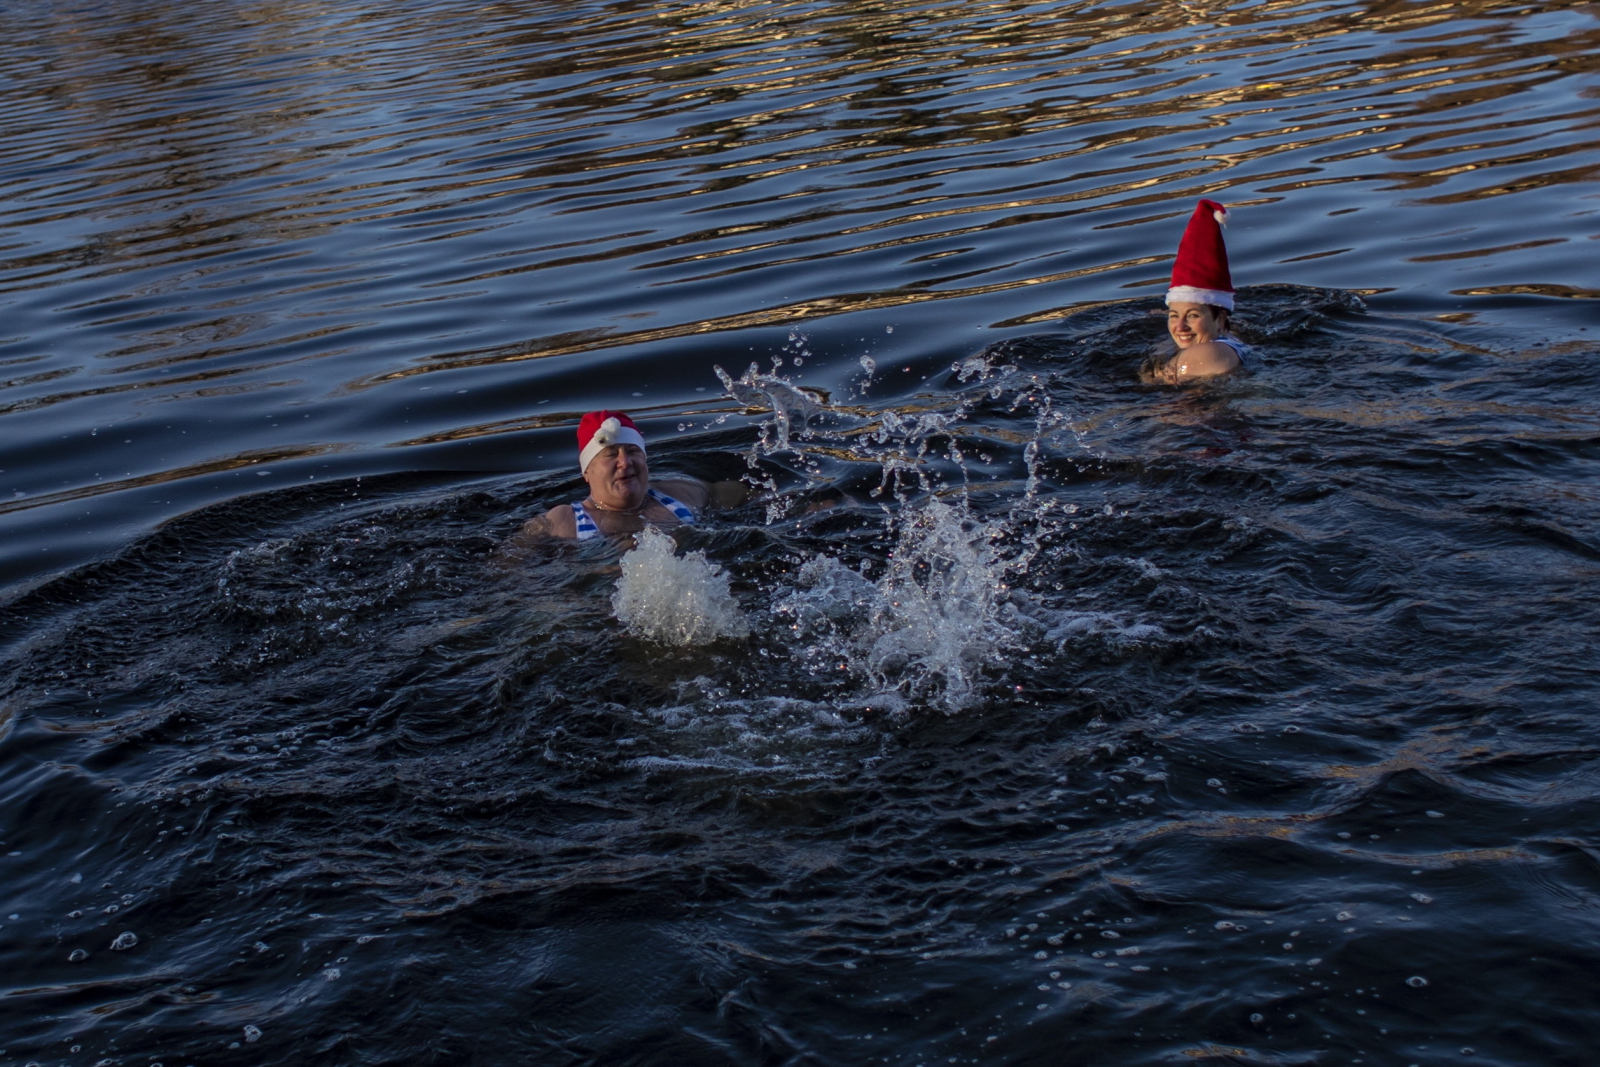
672 599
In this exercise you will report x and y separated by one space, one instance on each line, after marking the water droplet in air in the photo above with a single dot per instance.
75 879
1434 814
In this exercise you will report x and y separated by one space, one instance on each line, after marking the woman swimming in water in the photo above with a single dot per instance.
1199 304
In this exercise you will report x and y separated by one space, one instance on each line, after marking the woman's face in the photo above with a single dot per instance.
1193 324
618 477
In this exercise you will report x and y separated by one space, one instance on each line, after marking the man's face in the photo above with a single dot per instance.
618 477
1193 324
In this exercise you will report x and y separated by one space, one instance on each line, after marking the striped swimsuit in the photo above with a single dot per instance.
587 530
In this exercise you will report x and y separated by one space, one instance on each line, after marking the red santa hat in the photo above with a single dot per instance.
599 430
1200 275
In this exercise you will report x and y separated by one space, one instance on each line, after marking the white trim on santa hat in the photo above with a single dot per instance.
1188 294
611 432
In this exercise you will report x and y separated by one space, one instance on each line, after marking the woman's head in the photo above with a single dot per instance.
1191 324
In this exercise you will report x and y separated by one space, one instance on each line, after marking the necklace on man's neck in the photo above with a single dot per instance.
601 507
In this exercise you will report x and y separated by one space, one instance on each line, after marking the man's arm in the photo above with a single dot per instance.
701 496
557 522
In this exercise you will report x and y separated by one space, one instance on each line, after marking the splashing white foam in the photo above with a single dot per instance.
673 599
938 621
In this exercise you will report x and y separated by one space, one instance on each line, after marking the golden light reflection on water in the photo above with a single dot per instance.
392 193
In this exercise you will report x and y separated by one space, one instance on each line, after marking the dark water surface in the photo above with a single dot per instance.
1097 723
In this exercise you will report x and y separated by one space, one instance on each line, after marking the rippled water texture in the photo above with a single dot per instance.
1054 717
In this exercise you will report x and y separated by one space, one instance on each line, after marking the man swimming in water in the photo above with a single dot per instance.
622 500
1200 302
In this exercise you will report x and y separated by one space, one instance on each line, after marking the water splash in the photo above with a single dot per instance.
939 624
672 599
935 628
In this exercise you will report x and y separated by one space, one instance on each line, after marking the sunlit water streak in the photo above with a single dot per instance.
1039 715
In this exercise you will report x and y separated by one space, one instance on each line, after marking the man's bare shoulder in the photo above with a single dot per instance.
559 521
681 487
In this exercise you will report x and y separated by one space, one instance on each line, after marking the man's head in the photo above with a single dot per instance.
612 459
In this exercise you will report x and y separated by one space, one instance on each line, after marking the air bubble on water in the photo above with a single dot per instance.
261 946
1416 981
331 974
1344 916
675 600
75 879
1422 898
1434 814
364 938
252 1033
125 940
78 955
1258 1018
1214 783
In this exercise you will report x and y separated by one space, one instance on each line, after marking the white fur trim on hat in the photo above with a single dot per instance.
611 432
1188 294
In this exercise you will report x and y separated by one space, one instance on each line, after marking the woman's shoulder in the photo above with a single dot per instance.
1206 359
